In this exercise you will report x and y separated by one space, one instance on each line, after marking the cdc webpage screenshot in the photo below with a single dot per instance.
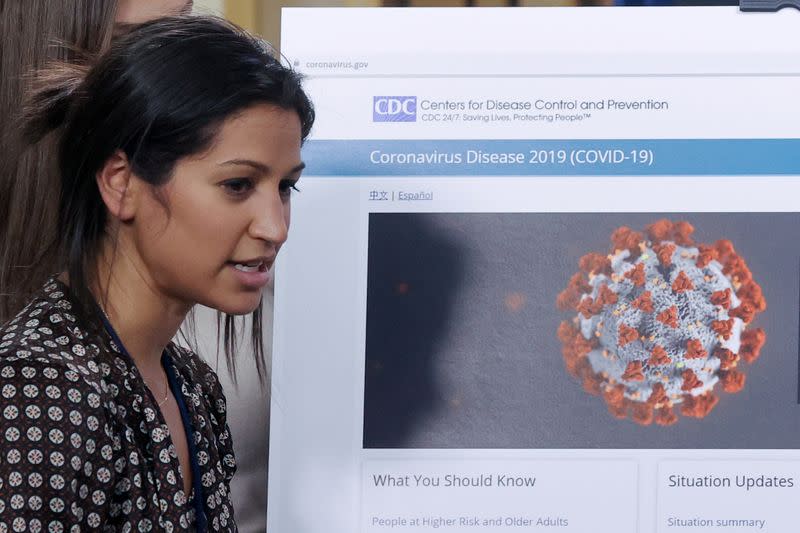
544 274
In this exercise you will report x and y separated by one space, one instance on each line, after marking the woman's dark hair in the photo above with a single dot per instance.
159 94
35 32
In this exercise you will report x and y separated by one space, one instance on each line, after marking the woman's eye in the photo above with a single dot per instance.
238 186
287 186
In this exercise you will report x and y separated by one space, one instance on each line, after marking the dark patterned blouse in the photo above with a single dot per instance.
84 444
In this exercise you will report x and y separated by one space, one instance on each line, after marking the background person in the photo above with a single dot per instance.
35 32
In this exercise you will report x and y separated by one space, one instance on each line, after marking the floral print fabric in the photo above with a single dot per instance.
84 445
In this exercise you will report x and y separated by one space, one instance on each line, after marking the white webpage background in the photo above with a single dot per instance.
715 65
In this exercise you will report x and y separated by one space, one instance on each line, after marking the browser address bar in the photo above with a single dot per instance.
543 65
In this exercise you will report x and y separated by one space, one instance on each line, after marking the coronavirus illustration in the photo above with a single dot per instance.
662 323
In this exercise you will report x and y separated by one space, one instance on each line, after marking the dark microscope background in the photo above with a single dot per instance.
462 350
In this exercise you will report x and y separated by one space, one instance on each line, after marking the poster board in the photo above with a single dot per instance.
543 273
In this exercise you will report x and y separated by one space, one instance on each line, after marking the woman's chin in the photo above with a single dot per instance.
242 305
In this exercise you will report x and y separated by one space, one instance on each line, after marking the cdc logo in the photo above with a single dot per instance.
394 109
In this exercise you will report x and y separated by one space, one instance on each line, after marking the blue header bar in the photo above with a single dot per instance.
552 157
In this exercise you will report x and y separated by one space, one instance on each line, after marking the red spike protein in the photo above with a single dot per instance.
660 322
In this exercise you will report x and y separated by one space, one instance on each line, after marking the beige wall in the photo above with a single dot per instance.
215 7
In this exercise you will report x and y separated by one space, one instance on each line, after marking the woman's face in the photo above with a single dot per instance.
211 234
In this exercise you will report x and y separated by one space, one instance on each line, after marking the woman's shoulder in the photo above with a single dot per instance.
47 333
50 304
59 438
49 376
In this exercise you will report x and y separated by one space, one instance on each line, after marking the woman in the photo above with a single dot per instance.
178 153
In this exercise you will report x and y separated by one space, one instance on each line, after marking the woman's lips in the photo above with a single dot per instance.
253 275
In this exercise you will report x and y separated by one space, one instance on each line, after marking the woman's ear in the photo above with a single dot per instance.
117 186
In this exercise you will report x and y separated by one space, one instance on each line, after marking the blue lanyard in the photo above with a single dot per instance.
200 513
166 362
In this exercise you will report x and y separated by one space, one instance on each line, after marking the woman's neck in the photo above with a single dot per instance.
144 317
